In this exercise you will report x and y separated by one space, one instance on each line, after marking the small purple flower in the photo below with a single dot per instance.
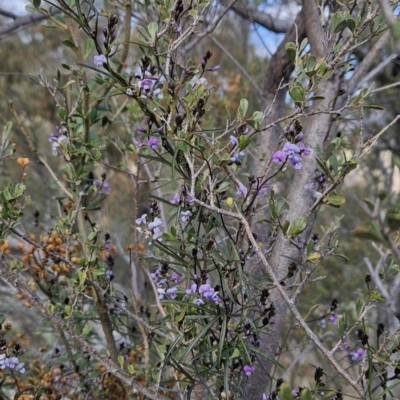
279 157
192 289
146 84
295 160
321 393
129 92
141 220
99 60
303 150
199 302
176 199
242 190
156 223
109 275
216 68
185 215
140 128
334 318
299 137
154 275
261 191
205 290
171 292
175 277
161 293
322 323
290 149
20 368
189 201
106 188
153 143
248 370
157 233
344 346
236 157
245 131
355 355
137 143
295 393
234 140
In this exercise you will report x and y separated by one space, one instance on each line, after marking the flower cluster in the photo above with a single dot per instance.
102 186
293 150
56 139
147 77
11 363
163 281
206 292
100 60
355 355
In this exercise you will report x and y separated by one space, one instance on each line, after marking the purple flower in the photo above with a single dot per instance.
161 293
355 355
299 137
156 223
146 84
234 140
129 92
109 275
278 157
192 289
236 157
322 323
344 346
175 277
248 370
140 128
107 188
242 190
295 393
261 191
303 150
295 160
245 131
189 201
199 302
141 220
157 233
216 68
290 149
206 290
334 317
171 292
176 199
99 60
185 215
137 143
154 275
153 143
20 368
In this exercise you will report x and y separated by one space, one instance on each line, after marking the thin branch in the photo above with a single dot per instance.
23 22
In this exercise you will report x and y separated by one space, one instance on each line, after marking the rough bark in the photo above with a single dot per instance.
316 129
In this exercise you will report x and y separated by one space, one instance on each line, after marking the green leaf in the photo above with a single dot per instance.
63 113
153 29
89 47
297 226
342 324
121 361
359 306
244 141
363 232
297 94
291 51
334 199
69 43
244 105
306 395
87 328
